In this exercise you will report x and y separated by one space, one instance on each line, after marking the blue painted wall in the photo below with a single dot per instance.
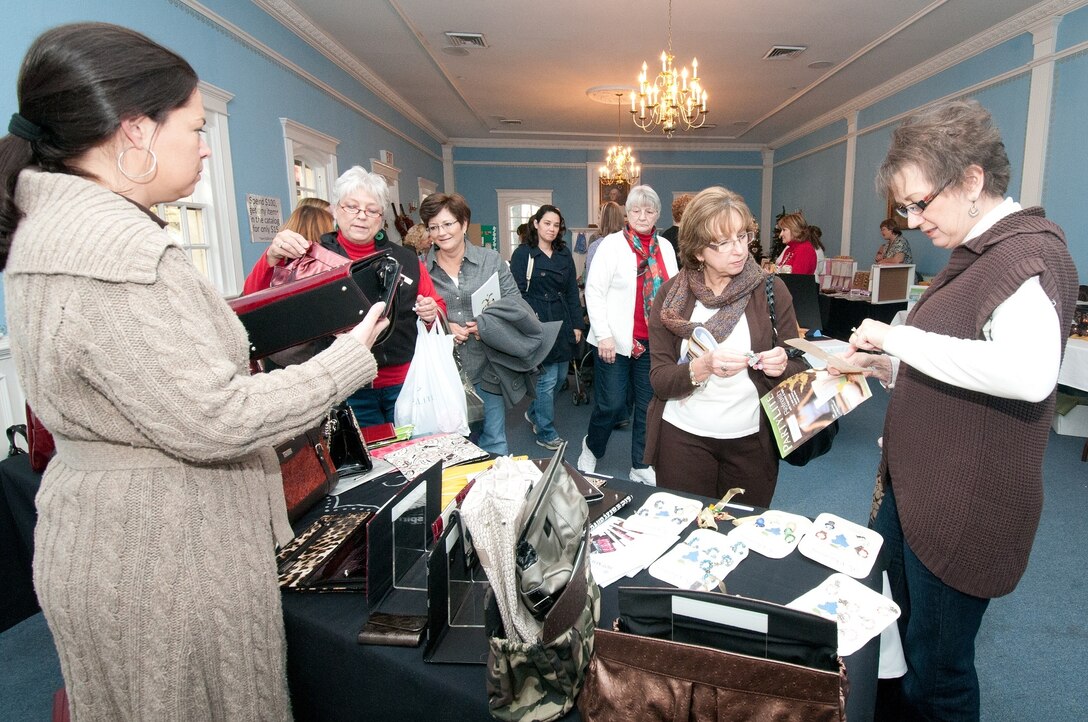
264 91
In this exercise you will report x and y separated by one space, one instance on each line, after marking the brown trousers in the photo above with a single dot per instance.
710 467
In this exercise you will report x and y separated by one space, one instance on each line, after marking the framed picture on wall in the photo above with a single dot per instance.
614 192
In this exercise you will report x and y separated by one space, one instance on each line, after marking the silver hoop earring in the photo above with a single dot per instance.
972 212
149 171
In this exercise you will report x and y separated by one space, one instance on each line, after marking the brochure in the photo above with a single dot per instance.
802 405
486 294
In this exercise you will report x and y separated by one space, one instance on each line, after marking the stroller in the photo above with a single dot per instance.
583 372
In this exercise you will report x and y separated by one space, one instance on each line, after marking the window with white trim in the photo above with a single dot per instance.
311 161
517 207
205 224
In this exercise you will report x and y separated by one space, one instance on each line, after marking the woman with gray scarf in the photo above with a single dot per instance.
705 429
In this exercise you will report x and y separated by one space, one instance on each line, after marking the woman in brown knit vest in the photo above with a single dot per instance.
974 373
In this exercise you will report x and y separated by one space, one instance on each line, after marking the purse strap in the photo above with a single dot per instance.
529 273
769 288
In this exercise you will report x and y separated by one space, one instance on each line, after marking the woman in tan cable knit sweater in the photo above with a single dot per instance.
159 515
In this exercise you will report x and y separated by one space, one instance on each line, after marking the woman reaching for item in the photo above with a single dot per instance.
706 431
361 199
158 518
949 480
543 268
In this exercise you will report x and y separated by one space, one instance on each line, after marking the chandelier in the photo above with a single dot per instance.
619 165
672 100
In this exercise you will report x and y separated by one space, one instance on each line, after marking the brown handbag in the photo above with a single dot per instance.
632 677
308 471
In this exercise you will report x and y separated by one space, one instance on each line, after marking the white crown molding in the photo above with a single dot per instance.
215 97
992 37
589 145
294 20
256 45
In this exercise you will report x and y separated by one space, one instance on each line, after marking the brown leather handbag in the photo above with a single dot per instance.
308 471
789 669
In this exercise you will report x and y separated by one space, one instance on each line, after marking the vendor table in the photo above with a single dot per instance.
1074 371
332 676
848 313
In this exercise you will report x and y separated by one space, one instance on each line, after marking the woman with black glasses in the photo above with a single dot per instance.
974 370
706 431
361 198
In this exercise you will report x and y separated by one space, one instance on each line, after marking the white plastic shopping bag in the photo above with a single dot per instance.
433 398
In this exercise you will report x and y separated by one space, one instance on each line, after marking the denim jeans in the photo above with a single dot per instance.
374 406
938 626
493 437
542 408
610 387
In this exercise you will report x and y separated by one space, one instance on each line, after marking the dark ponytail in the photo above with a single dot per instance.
76 85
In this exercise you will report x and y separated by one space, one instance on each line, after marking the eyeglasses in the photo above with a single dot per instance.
915 209
642 212
447 226
354 211
742 240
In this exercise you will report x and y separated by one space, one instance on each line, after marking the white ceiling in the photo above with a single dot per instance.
543 55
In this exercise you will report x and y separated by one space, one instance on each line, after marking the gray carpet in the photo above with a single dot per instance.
1032 646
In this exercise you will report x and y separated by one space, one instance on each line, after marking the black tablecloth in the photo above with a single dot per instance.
18 485
845 314
332 676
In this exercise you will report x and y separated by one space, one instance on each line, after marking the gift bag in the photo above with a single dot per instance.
432 399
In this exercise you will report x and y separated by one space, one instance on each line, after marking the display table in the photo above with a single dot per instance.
1074 371
848 313
332 676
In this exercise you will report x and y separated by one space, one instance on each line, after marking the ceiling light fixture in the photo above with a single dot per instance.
672 100
619 165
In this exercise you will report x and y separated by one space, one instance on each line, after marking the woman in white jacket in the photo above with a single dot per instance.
628 269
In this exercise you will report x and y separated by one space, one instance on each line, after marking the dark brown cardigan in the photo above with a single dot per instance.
965 466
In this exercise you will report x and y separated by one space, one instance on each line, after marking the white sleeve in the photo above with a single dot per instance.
596 292
1018 359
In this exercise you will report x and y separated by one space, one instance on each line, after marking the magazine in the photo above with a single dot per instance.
802 405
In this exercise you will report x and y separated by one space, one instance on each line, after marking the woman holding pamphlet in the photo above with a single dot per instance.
498 338
706 431
973 373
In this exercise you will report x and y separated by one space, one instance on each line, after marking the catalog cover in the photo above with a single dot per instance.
805 403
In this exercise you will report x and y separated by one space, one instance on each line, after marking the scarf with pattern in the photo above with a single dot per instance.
730 303
653 275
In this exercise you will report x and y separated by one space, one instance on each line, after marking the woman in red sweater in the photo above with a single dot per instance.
799 255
